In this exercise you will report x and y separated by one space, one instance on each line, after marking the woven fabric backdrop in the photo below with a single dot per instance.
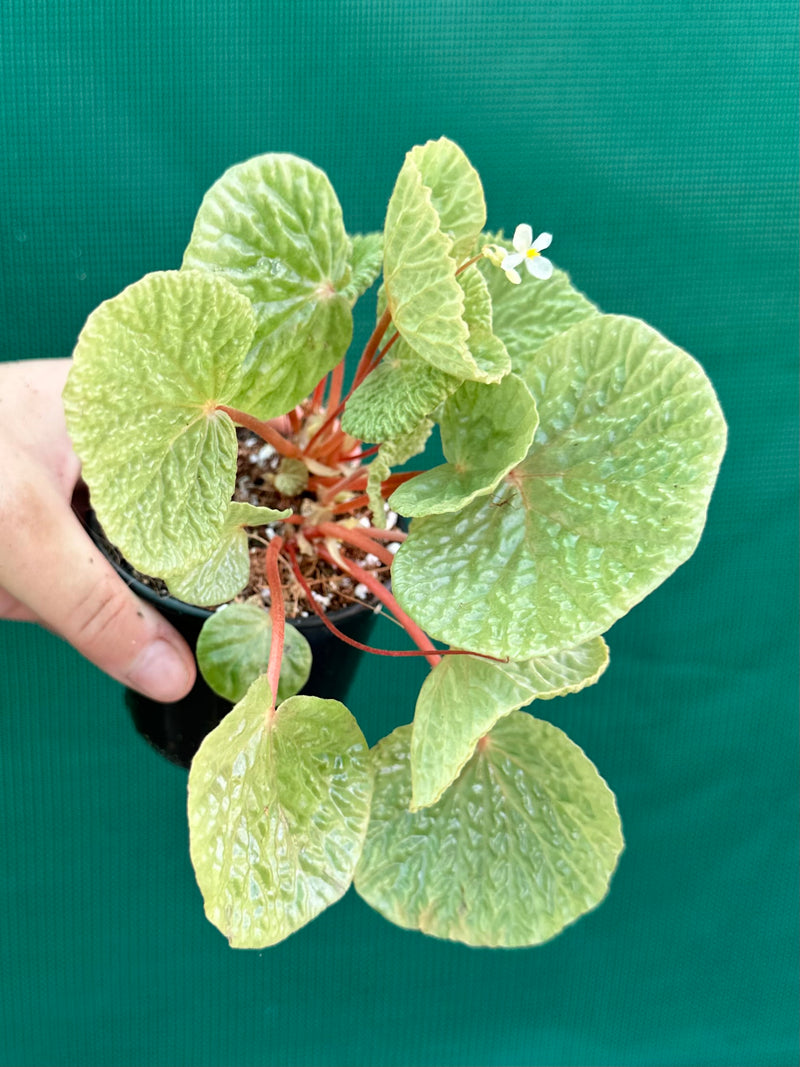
657 141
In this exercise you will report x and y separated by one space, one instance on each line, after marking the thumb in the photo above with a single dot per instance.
50 565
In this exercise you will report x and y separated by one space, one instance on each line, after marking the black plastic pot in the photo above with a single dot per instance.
177 729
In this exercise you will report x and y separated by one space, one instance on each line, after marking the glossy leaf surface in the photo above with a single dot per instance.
233 650
278 809
463 697
226 571
366 261
611 498
486 430
273 227
149 369
423 294
523 843
456 193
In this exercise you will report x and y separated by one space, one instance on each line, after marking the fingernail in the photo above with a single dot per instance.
160 672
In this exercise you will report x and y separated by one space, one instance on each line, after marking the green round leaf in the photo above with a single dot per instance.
150 367
611 498
273 227
463 697
523 843
233 650
486 430
278 810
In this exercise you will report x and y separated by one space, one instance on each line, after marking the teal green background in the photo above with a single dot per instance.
658 142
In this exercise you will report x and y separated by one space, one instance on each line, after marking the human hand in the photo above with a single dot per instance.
50 571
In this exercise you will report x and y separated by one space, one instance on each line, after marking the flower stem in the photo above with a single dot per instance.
469 263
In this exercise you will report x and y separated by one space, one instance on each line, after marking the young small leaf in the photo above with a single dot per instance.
486 430
273 227
523 843
233 650
278 810
396 397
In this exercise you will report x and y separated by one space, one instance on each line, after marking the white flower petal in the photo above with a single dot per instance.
542 241
523 235
513 259
539 267
513 276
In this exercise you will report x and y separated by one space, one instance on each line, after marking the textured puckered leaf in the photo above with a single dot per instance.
149 369
485 347
419 273
233 650
366 260
463 697
405 388
278 810
456 192
486 430
525 316
396 397
610 500
226 571
273 227
391 453
523 843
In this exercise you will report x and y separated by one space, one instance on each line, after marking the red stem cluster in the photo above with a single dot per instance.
329 448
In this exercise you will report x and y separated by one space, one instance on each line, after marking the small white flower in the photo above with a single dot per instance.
528 251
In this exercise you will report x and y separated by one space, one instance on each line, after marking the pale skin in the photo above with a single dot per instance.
50 571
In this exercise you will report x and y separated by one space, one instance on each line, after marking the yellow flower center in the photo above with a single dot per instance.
531 253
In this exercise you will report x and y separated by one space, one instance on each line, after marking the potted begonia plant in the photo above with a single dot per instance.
581 450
